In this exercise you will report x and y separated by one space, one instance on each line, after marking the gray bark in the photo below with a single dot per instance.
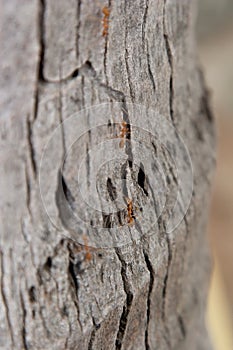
148 292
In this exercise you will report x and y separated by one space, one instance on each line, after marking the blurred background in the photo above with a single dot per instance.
215 44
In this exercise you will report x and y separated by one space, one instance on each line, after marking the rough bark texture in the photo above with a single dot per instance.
149 294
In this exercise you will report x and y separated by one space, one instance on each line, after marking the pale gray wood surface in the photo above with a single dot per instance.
150 293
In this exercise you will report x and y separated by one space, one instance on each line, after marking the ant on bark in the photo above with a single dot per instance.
88 255
123 133
130 214
105 20
77 249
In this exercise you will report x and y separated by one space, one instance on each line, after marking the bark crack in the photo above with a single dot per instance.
126 56
106 49
111 189
72 275
151 271
165 286
23 331
31 147
78 28
40 63
28 191
144 21
149 66
170 61
146 45
93 334
126 308
128 148
41 39
205 107
61 122
4 299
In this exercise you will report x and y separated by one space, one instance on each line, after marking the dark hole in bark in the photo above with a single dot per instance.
48 263
75 73
32 294
142 180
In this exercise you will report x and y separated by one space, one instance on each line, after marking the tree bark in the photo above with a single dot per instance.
65 282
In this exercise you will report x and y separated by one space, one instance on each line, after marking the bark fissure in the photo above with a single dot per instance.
106 49
93 334
170 61
149 66
60 110
78 28
205 106
41 40
166 334
165 282
4 299
126 57
146 44
128 303
111 189
88 165
40 63
28 191
31 147
128 146
144 21
73 267
151 271
23 332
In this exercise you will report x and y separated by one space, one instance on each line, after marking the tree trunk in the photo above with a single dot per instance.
96 250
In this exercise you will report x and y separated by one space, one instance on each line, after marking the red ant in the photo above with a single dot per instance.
123 133
88 255
78 248
130 215
105 20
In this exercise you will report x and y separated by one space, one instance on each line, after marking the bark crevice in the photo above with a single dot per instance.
40 63
151 284
170 61
146 45
31 147
78 28
23 332
165 282
4 299
149 67
128 303
93 334
28 191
